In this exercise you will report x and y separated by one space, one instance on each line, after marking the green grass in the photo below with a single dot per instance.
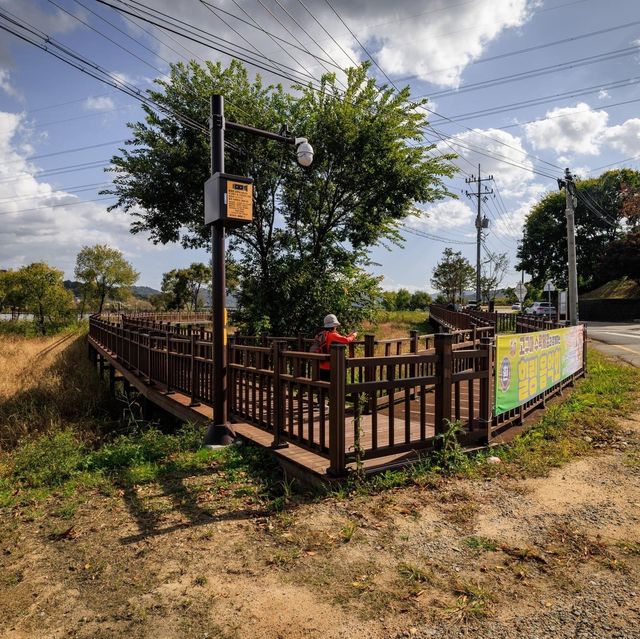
61 465
28 328
591 410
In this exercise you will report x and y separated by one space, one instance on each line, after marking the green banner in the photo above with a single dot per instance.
529 363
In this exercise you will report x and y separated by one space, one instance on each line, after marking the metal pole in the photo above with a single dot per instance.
219 428
571 249
478 240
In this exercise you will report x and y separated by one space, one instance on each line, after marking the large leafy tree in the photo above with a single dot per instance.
452 275
604 204
622 259
305 253
104 272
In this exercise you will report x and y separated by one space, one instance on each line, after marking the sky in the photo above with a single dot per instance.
523 88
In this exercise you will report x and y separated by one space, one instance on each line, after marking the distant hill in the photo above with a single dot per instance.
142 292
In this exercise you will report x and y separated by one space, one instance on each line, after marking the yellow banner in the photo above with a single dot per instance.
527 364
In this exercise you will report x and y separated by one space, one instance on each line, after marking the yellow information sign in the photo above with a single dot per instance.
239 201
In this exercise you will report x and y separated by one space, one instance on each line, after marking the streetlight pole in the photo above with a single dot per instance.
220 432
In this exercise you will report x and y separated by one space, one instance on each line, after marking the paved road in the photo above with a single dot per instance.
620 340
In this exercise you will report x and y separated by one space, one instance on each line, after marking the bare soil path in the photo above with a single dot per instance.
556 556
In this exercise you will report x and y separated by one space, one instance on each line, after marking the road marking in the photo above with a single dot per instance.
618 334
625 348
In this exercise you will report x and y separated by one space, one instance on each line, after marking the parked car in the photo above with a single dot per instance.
516 307
472 305
541 308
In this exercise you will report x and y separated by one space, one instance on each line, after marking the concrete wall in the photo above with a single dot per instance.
609 310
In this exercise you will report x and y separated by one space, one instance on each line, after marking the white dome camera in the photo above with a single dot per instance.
304 152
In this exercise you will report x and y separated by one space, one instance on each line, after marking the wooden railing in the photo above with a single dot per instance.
384 397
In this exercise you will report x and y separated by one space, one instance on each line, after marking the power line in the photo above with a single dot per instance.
56 206
55 153
431 236
543 100
537 47
106 37
534 73
58 170
71 189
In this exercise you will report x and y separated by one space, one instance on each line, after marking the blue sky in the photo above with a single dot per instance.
565 111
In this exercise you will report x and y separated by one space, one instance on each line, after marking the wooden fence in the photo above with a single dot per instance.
384 397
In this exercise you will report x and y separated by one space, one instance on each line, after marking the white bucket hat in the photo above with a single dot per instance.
330 321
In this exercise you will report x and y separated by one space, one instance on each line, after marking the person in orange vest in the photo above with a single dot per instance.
331 336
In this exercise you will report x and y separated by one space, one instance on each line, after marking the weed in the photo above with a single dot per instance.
473 601
285 558
200 580
348 530
413 574
449 457
481 543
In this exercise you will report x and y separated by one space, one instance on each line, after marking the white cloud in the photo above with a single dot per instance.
434 41
509 164
40 222
101 103
625 137
569 130
7 87
449 214
602 94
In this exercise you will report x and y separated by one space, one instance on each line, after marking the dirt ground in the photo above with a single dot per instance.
548 557
557 556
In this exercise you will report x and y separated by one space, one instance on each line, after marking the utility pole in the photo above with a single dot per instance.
481 222
571 201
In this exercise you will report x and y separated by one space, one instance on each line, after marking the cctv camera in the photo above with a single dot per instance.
304 152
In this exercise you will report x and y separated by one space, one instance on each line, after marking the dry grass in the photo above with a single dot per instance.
46 383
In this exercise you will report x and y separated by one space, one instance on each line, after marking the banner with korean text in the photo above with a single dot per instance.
529 363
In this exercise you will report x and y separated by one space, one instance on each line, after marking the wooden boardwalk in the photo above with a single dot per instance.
415 418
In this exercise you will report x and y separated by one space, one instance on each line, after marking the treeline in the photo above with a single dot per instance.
403 300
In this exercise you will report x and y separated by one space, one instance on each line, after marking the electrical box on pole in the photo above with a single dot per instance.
228 199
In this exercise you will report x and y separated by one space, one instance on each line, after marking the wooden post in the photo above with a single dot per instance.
413 348
337 397
486 405
112 379
278 400
444 372
370 373
192 374
168 362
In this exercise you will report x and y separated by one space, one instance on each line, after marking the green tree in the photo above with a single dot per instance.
622 259
182 287
12 294
104 271
452 275
602 204
389 300
307 247
403 299
45 295
420 301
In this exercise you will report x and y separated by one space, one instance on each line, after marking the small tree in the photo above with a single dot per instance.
493 272
12 295
403 298
104 271
389 300
182 286
420 301
44 295
452 275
